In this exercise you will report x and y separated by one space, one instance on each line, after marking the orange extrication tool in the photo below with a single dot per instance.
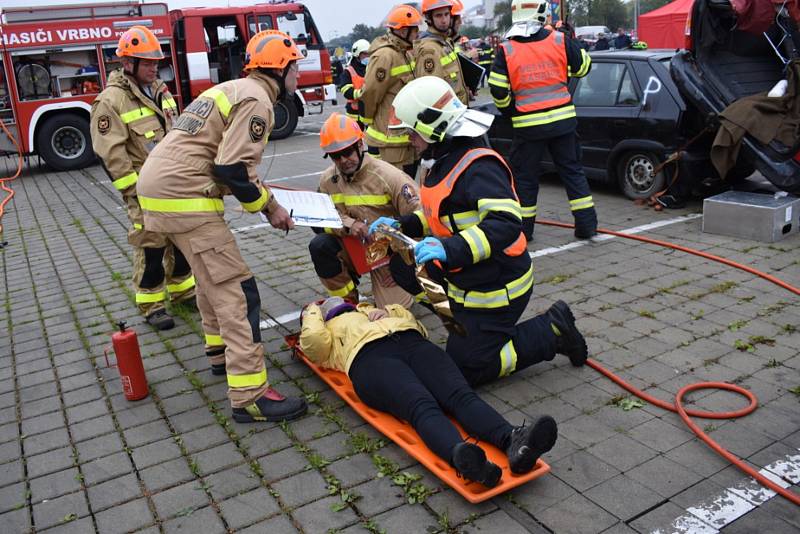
404 435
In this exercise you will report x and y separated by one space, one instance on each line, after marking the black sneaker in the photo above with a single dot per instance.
160 319
218 369
569 341
671 202
528 443
272 406
470 462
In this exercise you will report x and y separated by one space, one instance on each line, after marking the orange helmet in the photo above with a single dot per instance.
403 16
338 133
430 5
139 42
458 8
270 49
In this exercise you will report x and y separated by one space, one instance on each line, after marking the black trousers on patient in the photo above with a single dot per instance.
409 377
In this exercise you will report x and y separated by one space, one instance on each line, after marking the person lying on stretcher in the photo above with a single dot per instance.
396 369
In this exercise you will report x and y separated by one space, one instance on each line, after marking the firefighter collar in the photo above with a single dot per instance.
270 84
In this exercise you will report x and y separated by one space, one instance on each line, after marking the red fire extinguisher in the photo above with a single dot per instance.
129 363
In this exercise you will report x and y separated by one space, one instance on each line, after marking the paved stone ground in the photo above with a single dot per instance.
75 456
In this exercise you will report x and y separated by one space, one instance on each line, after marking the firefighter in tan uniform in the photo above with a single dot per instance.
435 51
363 189
391 66
129 117
213 151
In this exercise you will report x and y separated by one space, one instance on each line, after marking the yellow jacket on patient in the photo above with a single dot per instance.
335 343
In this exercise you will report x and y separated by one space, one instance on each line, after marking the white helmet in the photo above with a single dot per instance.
359 47
530 11
429 106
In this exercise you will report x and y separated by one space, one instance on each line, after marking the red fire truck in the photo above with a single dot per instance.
54 60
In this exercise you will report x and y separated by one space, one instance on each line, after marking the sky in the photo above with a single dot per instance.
333 17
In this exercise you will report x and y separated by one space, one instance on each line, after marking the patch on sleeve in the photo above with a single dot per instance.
258 128
408 193
103 124
380 74
429 64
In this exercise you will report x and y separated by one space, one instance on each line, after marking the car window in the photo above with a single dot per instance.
627 92
607 84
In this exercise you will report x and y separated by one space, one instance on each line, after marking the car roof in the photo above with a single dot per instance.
636 55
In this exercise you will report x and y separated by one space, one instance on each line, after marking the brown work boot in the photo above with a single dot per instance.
272 406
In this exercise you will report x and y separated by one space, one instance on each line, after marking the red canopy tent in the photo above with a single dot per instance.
665 27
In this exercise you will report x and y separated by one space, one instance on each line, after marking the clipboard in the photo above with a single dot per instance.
473 73
308 208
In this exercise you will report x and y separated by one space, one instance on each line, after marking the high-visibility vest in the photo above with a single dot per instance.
358 83
537 72
431 198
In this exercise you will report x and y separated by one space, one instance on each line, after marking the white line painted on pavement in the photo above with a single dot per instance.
721 510
606 237
283 319
293 177
289 153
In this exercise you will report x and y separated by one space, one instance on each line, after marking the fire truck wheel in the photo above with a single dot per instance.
285 119
64 143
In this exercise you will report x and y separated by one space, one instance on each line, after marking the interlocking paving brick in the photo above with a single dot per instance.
12 496
113 492
582 470
15 521
353 470
155 453
457 510
232 481
180 500
300 489
278 524
623 497
205 520
622 452
282 464
576 514
406 519
55 484
54 511
166 474
106 468
249 507
664 476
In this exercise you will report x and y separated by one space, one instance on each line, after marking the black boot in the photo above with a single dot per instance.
160 319
528 443
470 462
569 341
272 406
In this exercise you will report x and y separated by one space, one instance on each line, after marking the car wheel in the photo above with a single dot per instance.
285 119
64 143
635 175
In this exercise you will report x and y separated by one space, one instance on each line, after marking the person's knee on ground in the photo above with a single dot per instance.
325 250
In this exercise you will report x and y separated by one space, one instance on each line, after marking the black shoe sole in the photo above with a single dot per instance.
247 418
489 474
543 438
561 311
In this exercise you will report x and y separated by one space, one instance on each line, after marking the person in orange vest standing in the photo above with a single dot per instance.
528 81
476 249
353 80
132 114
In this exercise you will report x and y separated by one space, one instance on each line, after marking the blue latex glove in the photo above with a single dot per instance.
388 221
429 249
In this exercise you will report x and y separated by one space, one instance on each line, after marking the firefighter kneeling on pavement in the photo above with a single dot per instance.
476 249
213 151
529 81
362 188
128 118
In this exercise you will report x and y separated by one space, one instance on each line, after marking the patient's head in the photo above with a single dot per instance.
333 306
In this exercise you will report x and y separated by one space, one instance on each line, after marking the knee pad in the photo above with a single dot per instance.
324 250
153 275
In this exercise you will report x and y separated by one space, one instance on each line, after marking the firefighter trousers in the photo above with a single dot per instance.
229 304
494 345
526 163
158 267
338 275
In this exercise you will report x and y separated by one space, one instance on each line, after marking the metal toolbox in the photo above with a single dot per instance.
756 216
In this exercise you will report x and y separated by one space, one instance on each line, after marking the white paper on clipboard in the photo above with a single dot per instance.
308 208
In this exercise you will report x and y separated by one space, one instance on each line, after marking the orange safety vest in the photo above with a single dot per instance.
538 73
431 198
358 83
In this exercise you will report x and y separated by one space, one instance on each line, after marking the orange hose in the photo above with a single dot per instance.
3 185
678 407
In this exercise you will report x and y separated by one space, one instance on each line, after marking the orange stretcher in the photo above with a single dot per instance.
404 435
